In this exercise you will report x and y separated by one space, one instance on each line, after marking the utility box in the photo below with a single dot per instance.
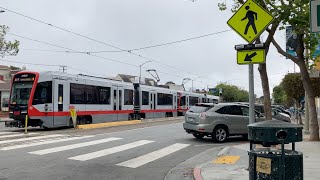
275 163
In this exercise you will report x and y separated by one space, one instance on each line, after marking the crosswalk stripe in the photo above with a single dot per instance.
73 146
31 138
17 135
109 151
42 143
2 133
141 160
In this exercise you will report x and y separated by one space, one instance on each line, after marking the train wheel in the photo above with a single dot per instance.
130 117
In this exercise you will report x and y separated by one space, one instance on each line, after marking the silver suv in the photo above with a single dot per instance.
218 120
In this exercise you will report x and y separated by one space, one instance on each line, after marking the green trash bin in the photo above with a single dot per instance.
269 163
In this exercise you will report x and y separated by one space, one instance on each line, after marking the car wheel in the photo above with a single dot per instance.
198 136
220 134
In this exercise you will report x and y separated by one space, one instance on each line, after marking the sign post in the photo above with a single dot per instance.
250 21
73 115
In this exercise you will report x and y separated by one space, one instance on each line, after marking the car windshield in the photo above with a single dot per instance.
199 108
20 93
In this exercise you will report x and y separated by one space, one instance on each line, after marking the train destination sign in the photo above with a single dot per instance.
250 21
255 56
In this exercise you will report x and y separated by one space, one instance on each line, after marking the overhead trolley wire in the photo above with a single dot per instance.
110 45
168 43
97 56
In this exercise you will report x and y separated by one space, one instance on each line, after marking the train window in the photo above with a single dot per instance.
77 93
91 95
104 95
183 101
193 100
204 100
43 93
128 97
164 99
145 98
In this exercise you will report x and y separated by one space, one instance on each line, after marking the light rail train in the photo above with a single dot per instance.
46 98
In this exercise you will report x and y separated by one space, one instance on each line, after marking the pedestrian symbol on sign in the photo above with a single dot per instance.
250 20
251 16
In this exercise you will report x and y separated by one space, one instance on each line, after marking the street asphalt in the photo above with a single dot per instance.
146 151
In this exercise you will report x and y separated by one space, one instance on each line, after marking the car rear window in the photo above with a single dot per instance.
199 108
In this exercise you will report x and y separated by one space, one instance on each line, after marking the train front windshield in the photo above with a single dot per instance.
21 89
20 93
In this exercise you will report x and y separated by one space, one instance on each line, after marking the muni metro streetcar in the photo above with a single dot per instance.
47 96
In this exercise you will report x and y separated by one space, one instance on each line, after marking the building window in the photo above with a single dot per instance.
164 99
145 98
128 97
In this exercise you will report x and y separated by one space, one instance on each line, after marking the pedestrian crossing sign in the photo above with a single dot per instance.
250 20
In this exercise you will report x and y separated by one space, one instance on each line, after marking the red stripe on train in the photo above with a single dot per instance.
35 112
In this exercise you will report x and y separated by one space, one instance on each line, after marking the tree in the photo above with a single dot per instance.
292 86
296 14
279 95
231 93
7 48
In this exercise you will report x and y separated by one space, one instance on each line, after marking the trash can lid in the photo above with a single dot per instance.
274 124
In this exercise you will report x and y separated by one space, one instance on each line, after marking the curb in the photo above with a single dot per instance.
123 123
197 174
108 124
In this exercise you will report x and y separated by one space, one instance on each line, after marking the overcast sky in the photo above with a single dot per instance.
130 24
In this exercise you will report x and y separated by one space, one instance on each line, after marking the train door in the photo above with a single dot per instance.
152 103
187 102
175 102
59 103
117 101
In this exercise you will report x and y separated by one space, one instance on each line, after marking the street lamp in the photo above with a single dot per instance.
140 70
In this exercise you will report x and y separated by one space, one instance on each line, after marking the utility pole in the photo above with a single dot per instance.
63 68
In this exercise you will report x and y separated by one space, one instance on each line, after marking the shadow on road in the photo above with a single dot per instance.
232 139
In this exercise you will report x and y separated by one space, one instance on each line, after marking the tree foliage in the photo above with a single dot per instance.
231 93
292 86
7 48
279 95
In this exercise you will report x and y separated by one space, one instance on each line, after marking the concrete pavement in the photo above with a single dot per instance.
231 163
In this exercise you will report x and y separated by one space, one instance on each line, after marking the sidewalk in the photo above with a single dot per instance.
232 163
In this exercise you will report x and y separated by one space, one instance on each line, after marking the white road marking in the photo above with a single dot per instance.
141 160
1 133
109 151
17 135
31 138
73 146
42 143
224 150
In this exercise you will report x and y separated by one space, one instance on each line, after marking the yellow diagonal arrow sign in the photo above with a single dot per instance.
256 56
